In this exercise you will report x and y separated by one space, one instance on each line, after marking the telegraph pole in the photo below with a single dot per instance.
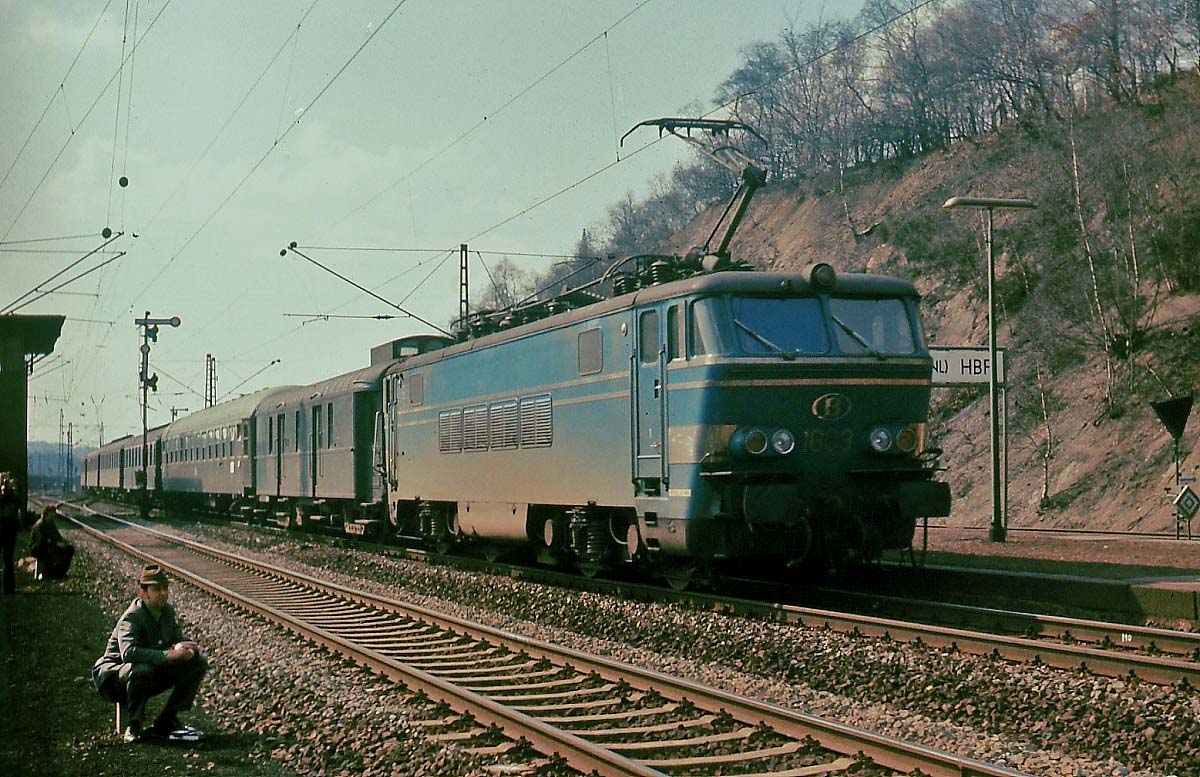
149 333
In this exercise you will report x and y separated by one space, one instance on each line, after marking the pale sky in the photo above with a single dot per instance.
356 160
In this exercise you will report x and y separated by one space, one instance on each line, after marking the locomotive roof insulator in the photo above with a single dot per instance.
661 272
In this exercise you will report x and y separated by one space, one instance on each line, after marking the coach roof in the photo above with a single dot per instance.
364 379
224 414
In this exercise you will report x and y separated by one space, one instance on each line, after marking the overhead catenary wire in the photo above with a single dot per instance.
605 168
129 109
45 239
440 250
92 107
112 164
68 268
492 114
364 289
229 119
304 111
351 300
173 379
67 282
54 94
260 371
612 98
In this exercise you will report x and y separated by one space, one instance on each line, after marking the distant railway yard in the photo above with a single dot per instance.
474 668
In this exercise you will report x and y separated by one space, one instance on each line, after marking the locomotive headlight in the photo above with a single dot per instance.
880 439
906 439
755 442
783 442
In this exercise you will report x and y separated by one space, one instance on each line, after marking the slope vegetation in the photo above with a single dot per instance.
1098 295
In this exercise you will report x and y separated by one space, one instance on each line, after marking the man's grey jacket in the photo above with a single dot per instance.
138 638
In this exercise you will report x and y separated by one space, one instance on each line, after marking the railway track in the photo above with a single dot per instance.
1155 655
594 714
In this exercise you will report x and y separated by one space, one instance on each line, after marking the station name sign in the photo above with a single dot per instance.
961 366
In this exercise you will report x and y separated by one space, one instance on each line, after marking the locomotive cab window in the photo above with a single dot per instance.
591 352
675 332
779 325
648 336
872 326
704 327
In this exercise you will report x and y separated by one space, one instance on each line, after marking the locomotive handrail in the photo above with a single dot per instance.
663 472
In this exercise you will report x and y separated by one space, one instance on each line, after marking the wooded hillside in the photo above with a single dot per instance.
1087 107
1097 290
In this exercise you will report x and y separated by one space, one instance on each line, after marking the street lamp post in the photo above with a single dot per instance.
999 527
149 333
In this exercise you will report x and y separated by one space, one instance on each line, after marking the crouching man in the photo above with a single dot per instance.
148 654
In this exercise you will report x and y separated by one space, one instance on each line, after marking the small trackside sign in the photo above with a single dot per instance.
1187 502
962 366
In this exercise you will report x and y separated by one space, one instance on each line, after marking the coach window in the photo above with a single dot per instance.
329 421
318 427
648 336
591 352
675 333
271 434
297 430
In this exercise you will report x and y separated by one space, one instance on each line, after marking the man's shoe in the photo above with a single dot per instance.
133 733
163 726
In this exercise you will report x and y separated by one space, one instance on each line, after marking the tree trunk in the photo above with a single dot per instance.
1098 307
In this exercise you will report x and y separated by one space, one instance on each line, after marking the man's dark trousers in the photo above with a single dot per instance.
143 681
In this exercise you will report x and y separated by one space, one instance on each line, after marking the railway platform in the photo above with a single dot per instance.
1138 577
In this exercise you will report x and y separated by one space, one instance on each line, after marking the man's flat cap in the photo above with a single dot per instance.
153 574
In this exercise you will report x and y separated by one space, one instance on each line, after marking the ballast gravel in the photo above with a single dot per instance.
316 713
1031 718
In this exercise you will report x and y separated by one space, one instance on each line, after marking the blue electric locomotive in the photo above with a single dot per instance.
726 417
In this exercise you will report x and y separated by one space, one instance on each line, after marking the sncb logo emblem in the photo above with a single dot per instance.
830 407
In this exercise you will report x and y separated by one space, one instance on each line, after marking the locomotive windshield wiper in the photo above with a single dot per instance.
789 355
858 338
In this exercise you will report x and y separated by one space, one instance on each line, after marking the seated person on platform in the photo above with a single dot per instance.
47 545
148 654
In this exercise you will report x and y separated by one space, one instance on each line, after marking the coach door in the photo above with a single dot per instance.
316 435
650 392
279 443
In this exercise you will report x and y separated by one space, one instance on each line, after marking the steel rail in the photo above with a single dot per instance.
883 750
578 752
1126 636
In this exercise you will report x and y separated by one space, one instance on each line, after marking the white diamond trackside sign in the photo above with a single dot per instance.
1187 502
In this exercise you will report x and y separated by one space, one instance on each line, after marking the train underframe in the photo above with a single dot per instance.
812 530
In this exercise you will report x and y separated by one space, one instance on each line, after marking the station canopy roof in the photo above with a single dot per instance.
38 333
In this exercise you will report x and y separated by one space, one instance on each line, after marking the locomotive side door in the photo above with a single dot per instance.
649 398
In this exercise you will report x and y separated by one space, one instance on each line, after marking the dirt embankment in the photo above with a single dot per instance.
1108 464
